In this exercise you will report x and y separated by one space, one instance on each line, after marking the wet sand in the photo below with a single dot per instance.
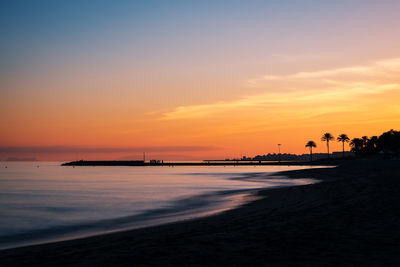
350 218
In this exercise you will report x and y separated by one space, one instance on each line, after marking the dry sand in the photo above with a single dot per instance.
351 218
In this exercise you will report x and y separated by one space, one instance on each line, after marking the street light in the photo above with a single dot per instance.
279 149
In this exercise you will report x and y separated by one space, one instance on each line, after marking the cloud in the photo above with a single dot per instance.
382 67
197 111
75 149
324 86
292 58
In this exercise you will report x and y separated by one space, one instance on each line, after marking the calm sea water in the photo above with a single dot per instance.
42 202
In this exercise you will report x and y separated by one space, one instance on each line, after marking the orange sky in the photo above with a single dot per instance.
228 89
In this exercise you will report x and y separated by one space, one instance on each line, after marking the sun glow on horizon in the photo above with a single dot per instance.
191 81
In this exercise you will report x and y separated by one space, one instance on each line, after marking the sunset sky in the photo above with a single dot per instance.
192 80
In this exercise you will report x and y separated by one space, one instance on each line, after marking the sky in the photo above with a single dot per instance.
193 80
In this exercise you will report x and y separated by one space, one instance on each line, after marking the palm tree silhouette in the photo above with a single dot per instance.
327 137
311 144
357 145
343 138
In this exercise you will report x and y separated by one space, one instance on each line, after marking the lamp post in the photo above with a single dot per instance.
279 149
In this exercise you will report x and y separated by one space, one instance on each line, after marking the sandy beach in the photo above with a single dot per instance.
350 218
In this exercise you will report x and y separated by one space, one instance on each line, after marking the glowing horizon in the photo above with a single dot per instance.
190 81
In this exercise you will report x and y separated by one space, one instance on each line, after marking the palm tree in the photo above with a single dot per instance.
327 137
311 144
343 138
357 145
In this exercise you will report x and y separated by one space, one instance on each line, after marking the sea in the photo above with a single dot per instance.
43 202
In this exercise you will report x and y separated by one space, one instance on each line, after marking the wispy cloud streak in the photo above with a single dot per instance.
382 67
333 85
74 149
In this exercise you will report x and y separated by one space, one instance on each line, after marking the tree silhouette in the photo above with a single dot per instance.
390 141
365 140
343 138
357 145
327 137
387 144
372 145
311 144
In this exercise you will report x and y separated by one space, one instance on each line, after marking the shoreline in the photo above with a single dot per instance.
351 217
